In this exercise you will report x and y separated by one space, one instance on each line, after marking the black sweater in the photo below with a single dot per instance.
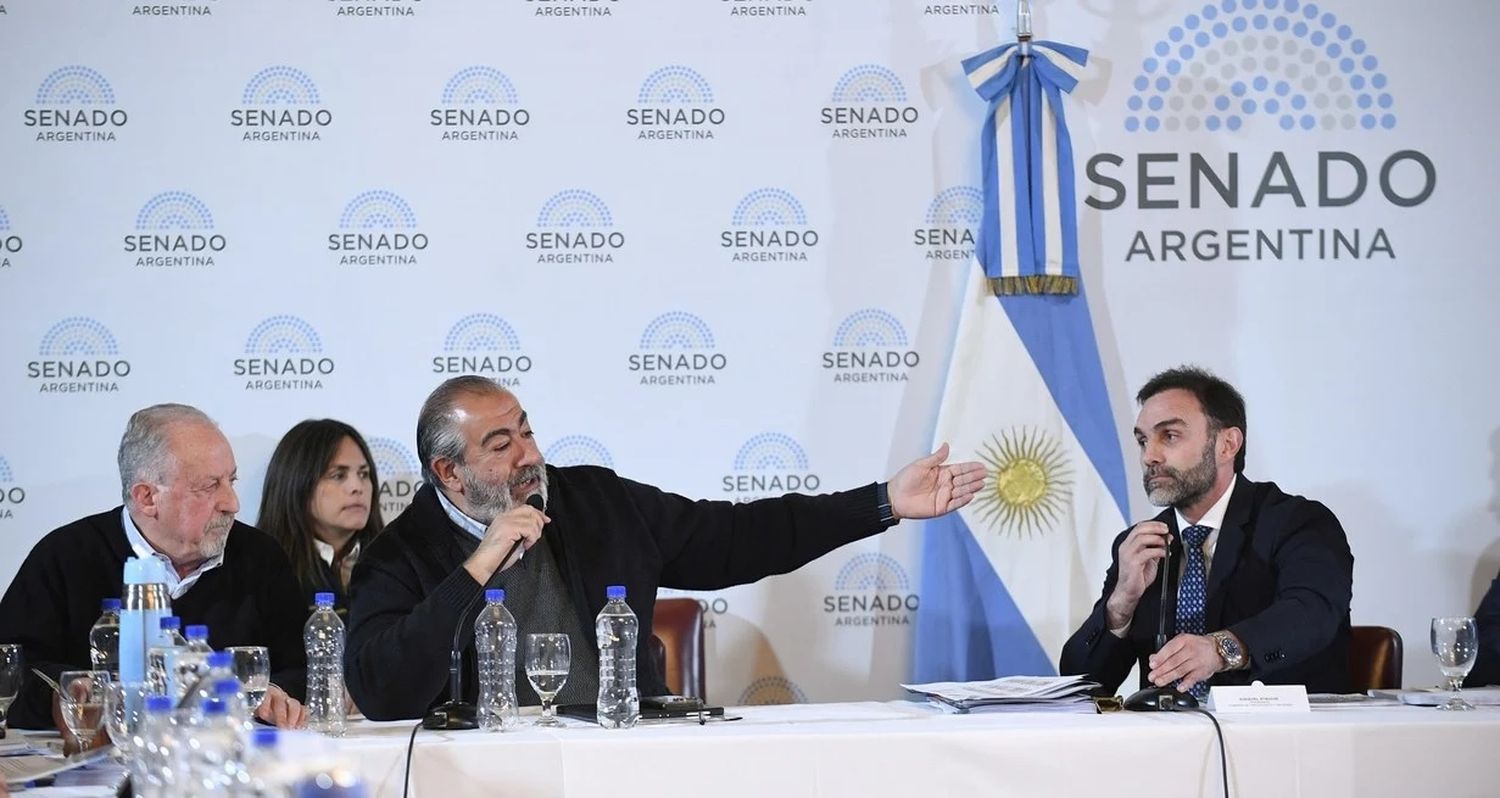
252 599
409 586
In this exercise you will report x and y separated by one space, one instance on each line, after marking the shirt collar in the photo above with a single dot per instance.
1214 518
177 586
326 552
458 516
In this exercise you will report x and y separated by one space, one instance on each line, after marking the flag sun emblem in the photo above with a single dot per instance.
1028 484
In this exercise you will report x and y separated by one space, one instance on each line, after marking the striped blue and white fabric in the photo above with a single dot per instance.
1028 240
1007 579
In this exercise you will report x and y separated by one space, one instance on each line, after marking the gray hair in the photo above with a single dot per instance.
144 454
437 426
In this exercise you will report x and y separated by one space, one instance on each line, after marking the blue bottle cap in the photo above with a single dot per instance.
265 737
197 632
221 659
494 594
111 604
323 600
614 592
225 688
214 706
158 703
171 622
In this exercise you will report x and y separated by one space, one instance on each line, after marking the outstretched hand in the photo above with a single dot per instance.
927 488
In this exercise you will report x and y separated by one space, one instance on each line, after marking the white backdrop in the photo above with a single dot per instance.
492 157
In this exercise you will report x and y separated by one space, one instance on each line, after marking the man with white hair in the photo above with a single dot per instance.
177 475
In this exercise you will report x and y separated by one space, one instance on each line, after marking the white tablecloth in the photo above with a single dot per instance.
871 750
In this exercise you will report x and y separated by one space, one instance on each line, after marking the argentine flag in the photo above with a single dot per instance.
1008 578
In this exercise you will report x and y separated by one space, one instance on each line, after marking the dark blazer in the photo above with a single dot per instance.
410 589
1280 580
1487 664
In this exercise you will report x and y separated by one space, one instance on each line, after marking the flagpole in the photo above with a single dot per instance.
1023 27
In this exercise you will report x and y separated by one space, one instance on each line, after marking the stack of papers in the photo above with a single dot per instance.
1011 694
1431 697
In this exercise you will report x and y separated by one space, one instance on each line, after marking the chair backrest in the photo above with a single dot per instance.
677 645
1374 658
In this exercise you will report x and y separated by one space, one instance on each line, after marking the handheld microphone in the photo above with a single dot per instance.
1161 699
456 714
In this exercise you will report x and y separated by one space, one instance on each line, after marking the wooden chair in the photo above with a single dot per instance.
677 645
1374 658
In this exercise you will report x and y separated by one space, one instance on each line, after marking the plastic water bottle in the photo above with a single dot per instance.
155 770
104 638
495 634
187 665
217 751
161 660
197 639
324 638
263 765
619 703
218 681
144 604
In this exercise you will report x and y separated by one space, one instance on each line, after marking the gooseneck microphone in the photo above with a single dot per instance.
1161 699
456 714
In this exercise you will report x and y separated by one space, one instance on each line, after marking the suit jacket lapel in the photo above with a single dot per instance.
1227 548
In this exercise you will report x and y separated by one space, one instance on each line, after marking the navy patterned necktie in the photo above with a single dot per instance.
1192 594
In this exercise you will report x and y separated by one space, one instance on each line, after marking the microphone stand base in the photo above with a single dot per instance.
1160 699
452 716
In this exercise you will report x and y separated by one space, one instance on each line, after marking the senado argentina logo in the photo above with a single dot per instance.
75 104
769 464
377 228
575 226
674 103
281 104
485 344
869 102
947 231
174 229
870 346
571 450
677 349
283 353
78 355
871 589
768 225
479 103
399 473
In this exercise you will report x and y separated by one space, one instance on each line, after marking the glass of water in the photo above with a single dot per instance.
1455 643
83 700
252 666
11 674
548 658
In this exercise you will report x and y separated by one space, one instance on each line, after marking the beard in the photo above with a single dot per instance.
1182 487
215 536
488 500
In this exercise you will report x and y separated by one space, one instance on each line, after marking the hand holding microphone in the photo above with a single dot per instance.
506 536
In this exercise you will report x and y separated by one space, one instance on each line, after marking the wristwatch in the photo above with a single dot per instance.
1230 650
883 504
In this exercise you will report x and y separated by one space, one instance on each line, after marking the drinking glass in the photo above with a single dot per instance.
252 666
83 698
124 709
548 657
1455 643
11 674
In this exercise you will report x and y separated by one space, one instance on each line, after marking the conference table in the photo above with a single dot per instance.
905 749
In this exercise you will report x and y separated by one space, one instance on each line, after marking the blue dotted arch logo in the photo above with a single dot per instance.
480 85
377 210
677 330
174 210
4 220
1236 60
75 85
572 450
675 84
6 475
11 494
769 690
78 336
481 332
771 451
870 327
574 208
768 207
869 83
281 85
957 206
872 572
392 459
283 335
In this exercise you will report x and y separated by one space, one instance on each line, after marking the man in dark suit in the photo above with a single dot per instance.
1262 578
1487 617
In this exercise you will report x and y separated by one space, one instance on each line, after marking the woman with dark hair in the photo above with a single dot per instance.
319 502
